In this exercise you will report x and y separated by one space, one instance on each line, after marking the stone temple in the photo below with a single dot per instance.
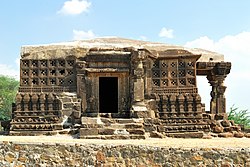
117 88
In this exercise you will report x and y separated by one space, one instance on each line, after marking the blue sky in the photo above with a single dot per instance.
222 26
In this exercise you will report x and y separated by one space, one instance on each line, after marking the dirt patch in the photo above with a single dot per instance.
166 142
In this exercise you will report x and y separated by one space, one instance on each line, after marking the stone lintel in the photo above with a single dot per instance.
106 70
203 68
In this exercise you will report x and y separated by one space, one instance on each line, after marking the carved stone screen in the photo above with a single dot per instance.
47 73
173 73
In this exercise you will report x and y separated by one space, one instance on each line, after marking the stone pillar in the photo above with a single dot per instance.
213 93
138 108
216 78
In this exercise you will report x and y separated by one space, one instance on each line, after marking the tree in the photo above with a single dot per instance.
8 90
240 117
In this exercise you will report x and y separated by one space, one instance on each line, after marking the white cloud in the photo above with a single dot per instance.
236 50
9 71
166 33
78 34
75 7
202 42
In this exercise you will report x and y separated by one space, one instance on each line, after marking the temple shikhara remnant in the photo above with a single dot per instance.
118 88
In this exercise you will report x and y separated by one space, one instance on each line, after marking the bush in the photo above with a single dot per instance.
240 117
8 90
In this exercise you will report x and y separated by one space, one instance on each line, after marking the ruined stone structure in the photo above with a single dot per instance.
117 88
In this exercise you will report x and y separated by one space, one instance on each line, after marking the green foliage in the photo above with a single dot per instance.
239 116
8 90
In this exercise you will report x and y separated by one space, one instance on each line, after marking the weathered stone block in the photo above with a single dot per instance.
133 126
138 137
247 135
207 137
222 116
225 123
107 120
116 137
225 134
150 128
161 128
88 132
124 121
155 134
136 131
92 125
106 131
57 127
117 126
88 120
121 132
238 134
186 135
152 121
218 129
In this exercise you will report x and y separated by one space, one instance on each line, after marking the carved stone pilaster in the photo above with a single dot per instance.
138 78
34 102
190 103
81 83
138 108
42 99
50 101
26 101
18 102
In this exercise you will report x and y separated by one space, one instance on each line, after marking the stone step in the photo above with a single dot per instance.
121 121
32 133
183 128
110 131
186 134
114 137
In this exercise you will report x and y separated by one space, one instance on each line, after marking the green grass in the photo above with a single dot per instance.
240 117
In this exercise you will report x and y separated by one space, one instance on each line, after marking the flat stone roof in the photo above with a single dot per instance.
80 48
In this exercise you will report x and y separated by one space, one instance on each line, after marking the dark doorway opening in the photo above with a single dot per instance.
108 95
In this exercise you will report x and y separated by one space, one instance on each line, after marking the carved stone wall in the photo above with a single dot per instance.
153 81
36 112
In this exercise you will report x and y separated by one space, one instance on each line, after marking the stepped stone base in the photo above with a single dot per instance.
105 128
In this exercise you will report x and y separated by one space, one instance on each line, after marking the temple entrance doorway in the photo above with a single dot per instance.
108 94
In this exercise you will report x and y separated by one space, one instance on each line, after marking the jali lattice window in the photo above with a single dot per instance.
173 73
47 72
